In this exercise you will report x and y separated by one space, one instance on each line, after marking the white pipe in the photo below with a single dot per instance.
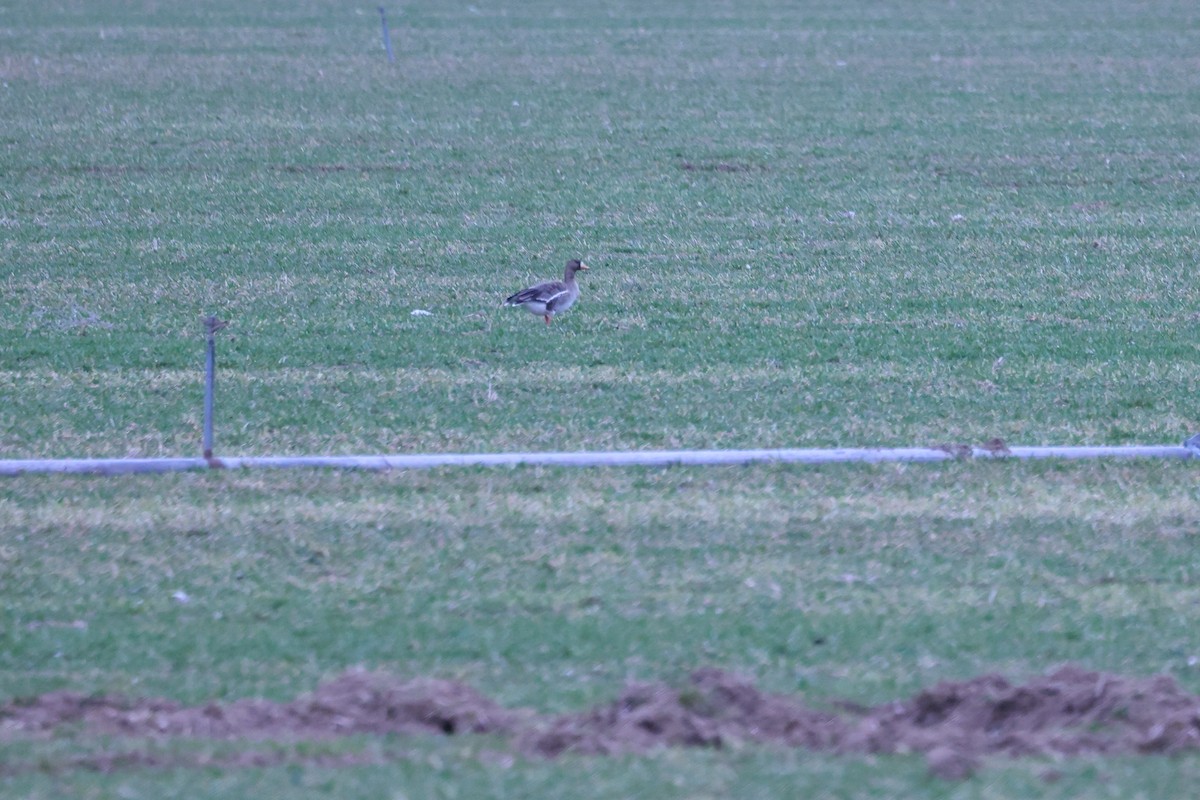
645 458
1114 451
104 466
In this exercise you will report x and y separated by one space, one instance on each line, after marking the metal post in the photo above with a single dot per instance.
211 326
387 37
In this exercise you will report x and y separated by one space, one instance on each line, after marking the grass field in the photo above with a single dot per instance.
809 224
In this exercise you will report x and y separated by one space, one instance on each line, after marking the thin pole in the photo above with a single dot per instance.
211 326
387 37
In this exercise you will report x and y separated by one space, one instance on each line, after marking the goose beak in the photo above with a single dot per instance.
584 267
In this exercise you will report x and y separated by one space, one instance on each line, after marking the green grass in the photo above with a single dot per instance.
438 770
810 224
551 588
827 579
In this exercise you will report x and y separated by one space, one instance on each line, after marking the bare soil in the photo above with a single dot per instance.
956 725
357 701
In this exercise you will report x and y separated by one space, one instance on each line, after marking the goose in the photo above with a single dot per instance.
552 297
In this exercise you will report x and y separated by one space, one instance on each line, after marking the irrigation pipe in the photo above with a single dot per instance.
640 458
636 458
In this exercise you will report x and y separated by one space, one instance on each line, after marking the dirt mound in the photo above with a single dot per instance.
1071 711
715 708
357 701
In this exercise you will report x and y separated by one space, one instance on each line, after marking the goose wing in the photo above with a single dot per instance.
545 293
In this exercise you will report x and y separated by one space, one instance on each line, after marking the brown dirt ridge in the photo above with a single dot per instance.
955 725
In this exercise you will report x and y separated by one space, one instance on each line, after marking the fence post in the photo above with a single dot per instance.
211 326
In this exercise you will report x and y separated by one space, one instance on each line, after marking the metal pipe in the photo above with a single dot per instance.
211 326
644 458
210 368
387 36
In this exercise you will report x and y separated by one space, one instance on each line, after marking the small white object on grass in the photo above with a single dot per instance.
420 312
181 597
